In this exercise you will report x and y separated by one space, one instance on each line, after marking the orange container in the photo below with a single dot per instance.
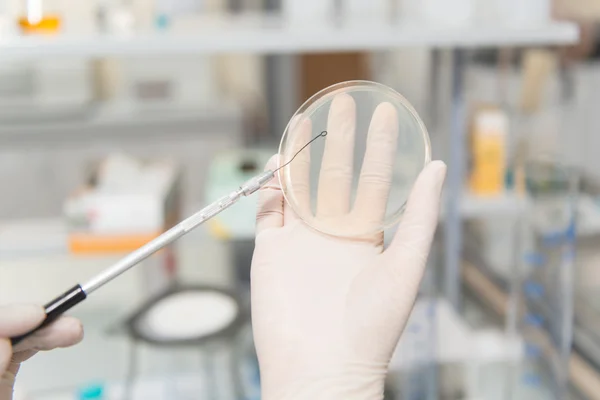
85 243
48 24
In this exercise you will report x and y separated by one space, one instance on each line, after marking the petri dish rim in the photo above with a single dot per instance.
317 100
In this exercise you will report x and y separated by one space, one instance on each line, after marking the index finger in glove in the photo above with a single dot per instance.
377 169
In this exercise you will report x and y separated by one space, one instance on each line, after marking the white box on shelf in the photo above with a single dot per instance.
129 204
298 13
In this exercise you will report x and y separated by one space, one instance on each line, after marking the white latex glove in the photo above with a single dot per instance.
19 319
328 312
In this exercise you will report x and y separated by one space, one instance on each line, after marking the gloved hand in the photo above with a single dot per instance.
19 319
328 312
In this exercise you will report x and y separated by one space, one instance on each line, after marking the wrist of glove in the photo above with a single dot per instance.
349 382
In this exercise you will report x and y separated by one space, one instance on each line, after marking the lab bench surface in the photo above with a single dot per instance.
104 356
103 360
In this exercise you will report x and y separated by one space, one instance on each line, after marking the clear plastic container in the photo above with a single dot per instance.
369 145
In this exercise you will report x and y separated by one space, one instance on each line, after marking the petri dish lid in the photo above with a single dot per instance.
355 177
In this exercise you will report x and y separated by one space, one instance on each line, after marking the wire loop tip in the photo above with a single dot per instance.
322 134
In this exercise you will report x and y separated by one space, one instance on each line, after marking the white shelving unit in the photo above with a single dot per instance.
273 35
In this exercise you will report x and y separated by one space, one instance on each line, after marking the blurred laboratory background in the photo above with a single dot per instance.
120 117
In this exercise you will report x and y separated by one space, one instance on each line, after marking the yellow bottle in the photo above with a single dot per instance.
39 20
488 148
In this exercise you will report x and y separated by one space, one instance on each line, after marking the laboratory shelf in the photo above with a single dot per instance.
583 375
472 206
44 123
502 205
276 35
510 204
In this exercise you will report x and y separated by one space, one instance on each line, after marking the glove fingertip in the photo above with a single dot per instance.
73 331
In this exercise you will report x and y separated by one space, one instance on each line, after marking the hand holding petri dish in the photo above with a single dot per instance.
355 180
329 303
367 146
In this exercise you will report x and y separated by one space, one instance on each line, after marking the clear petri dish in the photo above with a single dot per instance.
368 147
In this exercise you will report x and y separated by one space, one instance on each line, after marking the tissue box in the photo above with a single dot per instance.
127 204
